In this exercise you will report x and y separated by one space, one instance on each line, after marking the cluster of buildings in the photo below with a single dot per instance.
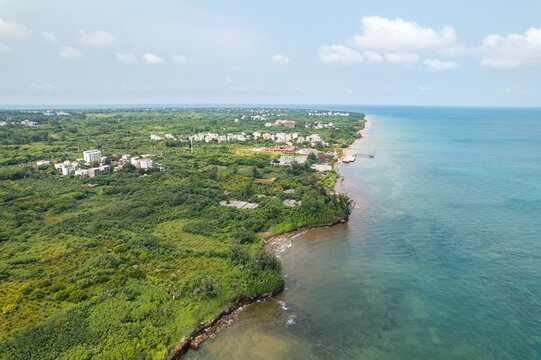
25 122
166 136
327 113
322 159
217 137
53 112
277 138
140 162
67 167
80 166
319 125
285 123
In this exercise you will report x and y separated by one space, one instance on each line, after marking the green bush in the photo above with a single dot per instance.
77 296
37 294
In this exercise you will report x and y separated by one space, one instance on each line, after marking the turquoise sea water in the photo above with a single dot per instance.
441 258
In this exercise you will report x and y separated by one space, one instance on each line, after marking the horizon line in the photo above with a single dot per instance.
7 107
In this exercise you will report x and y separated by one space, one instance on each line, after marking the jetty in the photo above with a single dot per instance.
351 158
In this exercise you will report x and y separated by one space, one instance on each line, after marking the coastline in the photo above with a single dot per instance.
210 328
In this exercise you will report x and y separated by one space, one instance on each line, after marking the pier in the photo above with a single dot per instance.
352 157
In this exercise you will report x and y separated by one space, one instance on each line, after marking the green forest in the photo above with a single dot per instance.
124 264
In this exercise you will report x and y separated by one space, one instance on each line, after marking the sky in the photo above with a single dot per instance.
382 52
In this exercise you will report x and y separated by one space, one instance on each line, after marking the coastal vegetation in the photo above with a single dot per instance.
127 263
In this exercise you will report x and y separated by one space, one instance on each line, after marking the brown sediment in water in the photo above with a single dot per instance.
271 244
208 329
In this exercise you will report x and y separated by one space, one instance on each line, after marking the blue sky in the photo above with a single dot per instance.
474 53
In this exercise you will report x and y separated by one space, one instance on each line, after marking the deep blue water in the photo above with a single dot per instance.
441 258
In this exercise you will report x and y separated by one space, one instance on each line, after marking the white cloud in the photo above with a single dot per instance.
402 58
152 59
299 89
69 53
4 49
424 88
349 91
180 59
13 30
125 57
50 37
400 36
373 57
513 50
400 42
439 65
339 54
41 87
96 38
280 59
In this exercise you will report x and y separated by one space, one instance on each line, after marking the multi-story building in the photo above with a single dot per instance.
98 171
92 155
145 163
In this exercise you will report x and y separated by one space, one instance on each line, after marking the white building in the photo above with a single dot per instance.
92 155
145 163
68 167
43 162
321 167
81 172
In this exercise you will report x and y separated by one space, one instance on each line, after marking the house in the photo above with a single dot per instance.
98 171
289 123
324 157
239 204
43 162
288 160
155 137
82 172
27 122
145 163
322 167
68 167
292 203
308 151
92 155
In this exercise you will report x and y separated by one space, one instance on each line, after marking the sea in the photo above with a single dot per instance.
440 259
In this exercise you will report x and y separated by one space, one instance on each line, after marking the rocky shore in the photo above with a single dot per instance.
208 329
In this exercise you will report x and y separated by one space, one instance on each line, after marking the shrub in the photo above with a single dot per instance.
9 309
120 248
245 237
77 296
37 294
267 261
25 289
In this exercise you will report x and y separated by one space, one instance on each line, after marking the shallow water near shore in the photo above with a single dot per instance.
441 258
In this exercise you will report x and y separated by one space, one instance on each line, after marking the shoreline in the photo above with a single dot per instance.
210 328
